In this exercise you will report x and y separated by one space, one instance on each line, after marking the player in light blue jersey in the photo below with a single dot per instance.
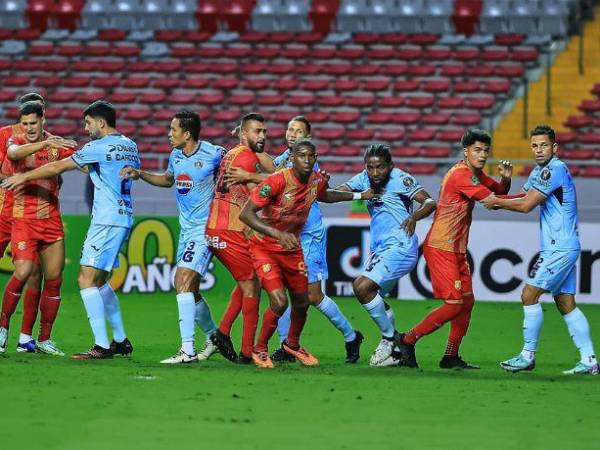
394 245
550 186
314 247
192 169
112 216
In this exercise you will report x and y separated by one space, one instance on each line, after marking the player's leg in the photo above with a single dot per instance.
31 303
278 303
206 323
233 310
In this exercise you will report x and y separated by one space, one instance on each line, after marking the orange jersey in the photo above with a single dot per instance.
230 198
6 167
37 199
285 203
458 193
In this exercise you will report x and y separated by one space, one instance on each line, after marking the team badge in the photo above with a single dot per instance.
302 268
546 174
266 268
408 182
183 184
52 154
265 191
475 180
457 285
258 168
22 245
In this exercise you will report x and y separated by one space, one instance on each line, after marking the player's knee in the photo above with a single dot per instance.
250 288
278 302
315 298
35 278
52 287
23 271
565 303
362 288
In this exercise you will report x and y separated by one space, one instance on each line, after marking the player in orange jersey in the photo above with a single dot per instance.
445 249
37 227
285 199
226 238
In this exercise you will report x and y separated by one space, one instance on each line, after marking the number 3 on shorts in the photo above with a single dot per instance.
188 255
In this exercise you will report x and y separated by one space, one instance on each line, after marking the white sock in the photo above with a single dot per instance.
376 310
24 338
533 319
94 306
283 325
112 310
332 311
187 312
204 318
579 329
390 313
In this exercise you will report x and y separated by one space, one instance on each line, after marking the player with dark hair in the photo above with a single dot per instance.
112 217
225 235
285 199
445 249
192 168
551 187
394 245
37 229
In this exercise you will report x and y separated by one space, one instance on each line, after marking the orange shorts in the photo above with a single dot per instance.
450 274
32 236
280 269
233 250
5 233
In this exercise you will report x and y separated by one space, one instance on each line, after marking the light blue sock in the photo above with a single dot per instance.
390 313
112 310
332 311
94 306
204 318
579 329
533 319
283 326
187 312
376 310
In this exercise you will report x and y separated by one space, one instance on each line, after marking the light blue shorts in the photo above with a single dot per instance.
102 245
386 266
555 272
315 257
193 253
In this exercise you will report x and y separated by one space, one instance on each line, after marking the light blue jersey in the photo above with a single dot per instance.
393 252
558 214
312 237
105 157
194 190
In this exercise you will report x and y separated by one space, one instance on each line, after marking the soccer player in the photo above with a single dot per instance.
32 293
394 245
225 235
192 169
112 216
285 199
37 229
314 244
445 249
550 186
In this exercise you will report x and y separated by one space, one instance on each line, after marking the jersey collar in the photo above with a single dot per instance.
194 152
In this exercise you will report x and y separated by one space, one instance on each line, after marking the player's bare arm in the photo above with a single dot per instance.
428 206
165 179
46 171
523 204
18 152
250 217
343 195
237 175
505 169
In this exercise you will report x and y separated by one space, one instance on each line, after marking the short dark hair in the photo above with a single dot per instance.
543 129
302 119
303 143
380 151
252 116
31 97
473 135
102 109
189 121
31 108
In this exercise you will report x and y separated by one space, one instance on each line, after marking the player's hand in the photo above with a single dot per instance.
57 142
325 175
368 195
12 182
129 173
409 225
505 169
288 240
236 131
237 175
490 202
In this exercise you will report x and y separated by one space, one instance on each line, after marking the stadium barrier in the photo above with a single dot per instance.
501 253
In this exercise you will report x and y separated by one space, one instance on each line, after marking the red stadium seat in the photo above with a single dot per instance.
422 168
331 133
423 38
589 106
97 49
27 34
185 51
480 102
318 116
17 81
509 39
467 54
579 154
435 86
38 12
347 150
330 101
360 134
526 55
590 138
285 84
212 51
41 49
496 87
314 84
195 82
48 82
122 97
138 66
450 135
167 67
385 53
366 38
421 70
106 82
337 69
73 114
591 172
391 134
565 137
466 120
479 70
165 83
91 95
238 52
510 71
300 100
450 102
421 134
271 99
241 99
59 96
210 98
393 38
228 115
436 119
294 52
152 131
345 84
352 53
452 70
137 114
406 53
366 70
280 37
169 36
153 98
267 52
419 101
345 117
578 122
466 86
437 54
494 54
379 118
405 152
112 35
394 70
53 113
280 68
360 101
390 102
164 115
76 82
323 52
225 83
253 37
435 152
182 98
215 132
376 84
64 129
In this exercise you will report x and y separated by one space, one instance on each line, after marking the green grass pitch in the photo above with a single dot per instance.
135 403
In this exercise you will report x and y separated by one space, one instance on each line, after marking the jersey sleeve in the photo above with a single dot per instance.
268 190
322 189
493 185
170 166
548 180
282 159
528 183
65 153
88 154
470 186
358 182
246 161
407 185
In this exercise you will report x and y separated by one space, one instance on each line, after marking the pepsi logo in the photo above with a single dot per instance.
183 184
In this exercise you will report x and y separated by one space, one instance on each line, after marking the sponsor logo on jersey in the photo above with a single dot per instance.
408 182
265 191
266 268
183 184
22 245
457 285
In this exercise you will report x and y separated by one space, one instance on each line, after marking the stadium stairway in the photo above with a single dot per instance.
569 88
